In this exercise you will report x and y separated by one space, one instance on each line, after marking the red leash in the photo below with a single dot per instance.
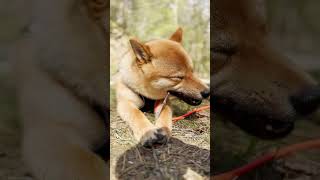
176 119
277 154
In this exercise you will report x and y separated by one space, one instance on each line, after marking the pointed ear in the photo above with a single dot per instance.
141 51
177 36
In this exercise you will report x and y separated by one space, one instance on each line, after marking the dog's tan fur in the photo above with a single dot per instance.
152 69
249 75
60 66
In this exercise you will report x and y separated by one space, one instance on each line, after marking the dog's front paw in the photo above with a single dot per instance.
155 137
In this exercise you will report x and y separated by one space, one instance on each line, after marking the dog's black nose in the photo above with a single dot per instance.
205 93
306 101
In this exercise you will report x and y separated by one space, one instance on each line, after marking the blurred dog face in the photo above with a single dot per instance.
166 67
254 85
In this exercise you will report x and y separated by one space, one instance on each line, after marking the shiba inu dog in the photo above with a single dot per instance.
253 84
150 71
60 63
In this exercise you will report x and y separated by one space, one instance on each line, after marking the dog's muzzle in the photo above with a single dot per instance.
189 100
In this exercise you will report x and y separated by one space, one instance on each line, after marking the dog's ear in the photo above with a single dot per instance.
177 36
141 51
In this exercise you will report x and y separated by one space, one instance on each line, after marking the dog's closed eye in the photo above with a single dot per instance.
163 82
225 49
176 78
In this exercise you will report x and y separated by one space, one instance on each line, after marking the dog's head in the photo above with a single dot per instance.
165 66
255 86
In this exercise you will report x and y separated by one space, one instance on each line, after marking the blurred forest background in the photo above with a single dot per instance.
295 28
147 19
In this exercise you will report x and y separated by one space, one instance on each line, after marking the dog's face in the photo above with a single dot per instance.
254 85
166 67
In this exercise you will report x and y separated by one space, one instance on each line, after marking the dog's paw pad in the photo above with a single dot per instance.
155 138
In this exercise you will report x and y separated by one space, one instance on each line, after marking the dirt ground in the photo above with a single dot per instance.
187 149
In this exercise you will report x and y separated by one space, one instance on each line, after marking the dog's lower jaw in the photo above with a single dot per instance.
268 129
257 124
260 126
187 99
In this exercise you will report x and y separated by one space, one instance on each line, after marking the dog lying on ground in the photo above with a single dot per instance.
149 72
252 83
